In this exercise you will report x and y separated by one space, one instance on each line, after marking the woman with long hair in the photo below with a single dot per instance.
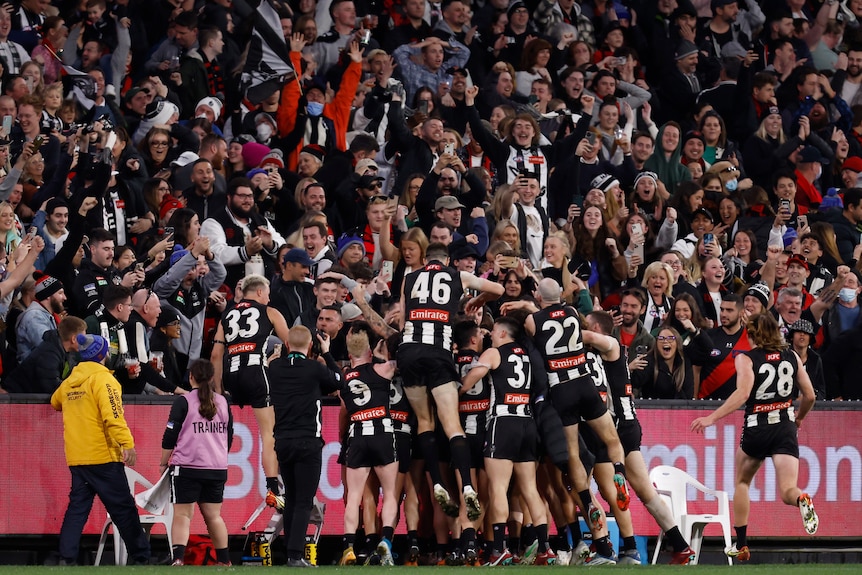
741 255
186 226
597 258
10 234
198 461
718 147
768 149
156 150
412 256
407 198
658 283
533 66
555 265
686 201
155 190
667 374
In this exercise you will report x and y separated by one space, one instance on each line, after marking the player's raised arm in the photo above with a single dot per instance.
490 290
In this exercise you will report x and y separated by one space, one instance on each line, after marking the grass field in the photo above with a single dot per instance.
808 569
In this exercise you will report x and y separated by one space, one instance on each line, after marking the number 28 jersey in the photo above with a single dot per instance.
246 329
558 337
431 296
775 388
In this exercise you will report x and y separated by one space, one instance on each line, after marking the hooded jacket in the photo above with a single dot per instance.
94 427
190 304
670 171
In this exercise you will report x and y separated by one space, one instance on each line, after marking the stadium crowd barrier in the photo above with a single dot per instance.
830 465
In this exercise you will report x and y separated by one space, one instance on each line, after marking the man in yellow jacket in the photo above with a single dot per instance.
98 445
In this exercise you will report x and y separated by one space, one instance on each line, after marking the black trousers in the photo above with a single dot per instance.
299 461
108 481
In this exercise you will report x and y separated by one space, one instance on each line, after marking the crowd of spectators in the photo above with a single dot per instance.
683 164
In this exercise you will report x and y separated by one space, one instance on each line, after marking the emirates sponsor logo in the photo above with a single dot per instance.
241 348
429 315
772 406
567 363
371 413
516 398
477 405
398 415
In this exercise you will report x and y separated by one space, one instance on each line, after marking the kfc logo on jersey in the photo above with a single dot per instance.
557 314
773 357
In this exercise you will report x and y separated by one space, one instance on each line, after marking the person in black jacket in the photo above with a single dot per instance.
51 361
290 293
296 385
664 373
168 329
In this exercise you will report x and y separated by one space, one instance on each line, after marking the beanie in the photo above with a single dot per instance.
92 347
46 285
346 241
761 291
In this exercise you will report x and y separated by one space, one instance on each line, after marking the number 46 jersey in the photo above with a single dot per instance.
246 329
431 296
775 388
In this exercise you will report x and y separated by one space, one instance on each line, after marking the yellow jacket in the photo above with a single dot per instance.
94 428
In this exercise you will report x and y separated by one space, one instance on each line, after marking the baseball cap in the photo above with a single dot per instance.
853 163
811 154
702 212
298 256
447 203
797 260
185 159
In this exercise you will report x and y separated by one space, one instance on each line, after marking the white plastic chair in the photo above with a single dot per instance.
121 554
671 484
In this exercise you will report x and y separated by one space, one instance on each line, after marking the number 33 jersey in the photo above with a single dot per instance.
246 329
775 388
431 296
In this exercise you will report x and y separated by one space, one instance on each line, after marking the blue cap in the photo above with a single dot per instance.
298 256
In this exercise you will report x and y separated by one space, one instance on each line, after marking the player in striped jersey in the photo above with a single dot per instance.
512 440
371 441
429 298
769 379
610 366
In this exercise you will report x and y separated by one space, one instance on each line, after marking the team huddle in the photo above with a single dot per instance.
546 400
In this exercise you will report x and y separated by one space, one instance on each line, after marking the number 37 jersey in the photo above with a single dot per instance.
246 329
775 388
431 296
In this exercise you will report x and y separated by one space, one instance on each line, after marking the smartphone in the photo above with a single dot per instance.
591 137
423 107
169 231
508 262
449 148
637 230
139 267
31 233
641 350
386 269
37 143
802 221
7 124
784 205
271 169
708 238
621 61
